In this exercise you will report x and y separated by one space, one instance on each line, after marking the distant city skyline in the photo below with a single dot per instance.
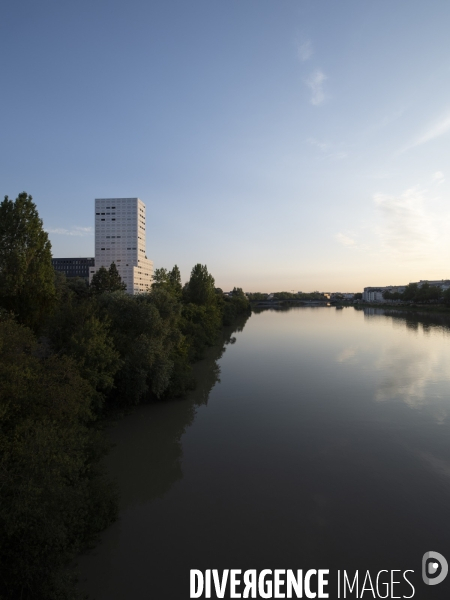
294 145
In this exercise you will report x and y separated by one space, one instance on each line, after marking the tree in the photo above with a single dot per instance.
200 289
168 280
53 497
115 280
107 280
27 285
144 339
75 330
160 278
100 281
174 277
410 292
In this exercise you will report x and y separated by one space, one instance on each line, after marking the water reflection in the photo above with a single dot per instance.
345 355
147 455
406 372
416 372
327 443
414 321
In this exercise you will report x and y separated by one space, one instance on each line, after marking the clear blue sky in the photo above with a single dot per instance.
286 144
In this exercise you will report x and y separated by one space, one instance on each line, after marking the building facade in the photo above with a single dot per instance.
444 284
74 267
375 294
120 238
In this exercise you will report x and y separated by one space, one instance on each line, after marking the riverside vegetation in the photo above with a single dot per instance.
421 294
69 354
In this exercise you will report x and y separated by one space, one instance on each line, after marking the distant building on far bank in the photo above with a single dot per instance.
120 239
444 284
74 267
375 294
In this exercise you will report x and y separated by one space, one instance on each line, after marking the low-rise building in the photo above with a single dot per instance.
444 284
74 267
375 294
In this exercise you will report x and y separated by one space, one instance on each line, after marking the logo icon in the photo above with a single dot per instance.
434 568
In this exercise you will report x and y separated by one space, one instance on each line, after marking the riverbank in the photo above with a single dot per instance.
146 460
95 353
410 308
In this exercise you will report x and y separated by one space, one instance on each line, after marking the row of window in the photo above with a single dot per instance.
131 218
81 261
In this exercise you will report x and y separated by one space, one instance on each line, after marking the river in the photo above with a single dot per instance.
324 442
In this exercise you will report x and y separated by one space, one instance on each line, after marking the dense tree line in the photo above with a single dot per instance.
305 297
69 353
424 293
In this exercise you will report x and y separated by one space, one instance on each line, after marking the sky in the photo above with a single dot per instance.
287 144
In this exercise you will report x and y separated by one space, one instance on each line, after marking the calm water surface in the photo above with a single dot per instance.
326 444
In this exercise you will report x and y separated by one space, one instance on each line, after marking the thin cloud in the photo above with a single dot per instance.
321 145
315 83
438 177
345 240
406 228
434 131
78 231
304 51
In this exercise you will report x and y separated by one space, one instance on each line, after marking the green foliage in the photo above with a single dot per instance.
115 281
175 281
286 296
26 274
98 347
100 281
144 338
200 287
78 286
410 293
257 297
167 301
358 296
168 280
414 292
107 280
76 330
201 326
234 305
53 495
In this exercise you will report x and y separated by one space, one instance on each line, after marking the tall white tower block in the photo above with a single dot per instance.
120 238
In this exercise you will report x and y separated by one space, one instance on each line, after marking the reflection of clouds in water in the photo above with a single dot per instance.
406 373
345 354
